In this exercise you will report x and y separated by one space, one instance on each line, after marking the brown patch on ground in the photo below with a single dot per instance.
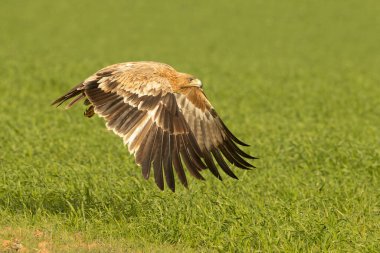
41 241
13 245
16 245
43 247
6 245
23 250
5 230
38 233
91 246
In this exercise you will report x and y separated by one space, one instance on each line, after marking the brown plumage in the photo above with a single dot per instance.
163 117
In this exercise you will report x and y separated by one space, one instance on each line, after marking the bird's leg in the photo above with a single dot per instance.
89 111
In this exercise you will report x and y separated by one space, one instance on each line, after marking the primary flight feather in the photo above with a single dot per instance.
163 117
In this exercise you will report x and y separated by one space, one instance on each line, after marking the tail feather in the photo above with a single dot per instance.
70 94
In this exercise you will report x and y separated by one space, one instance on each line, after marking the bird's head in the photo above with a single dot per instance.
188 81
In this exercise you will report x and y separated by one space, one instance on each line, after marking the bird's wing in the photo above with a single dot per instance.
147 117
212 135
163 129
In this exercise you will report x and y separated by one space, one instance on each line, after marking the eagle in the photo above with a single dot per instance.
164 118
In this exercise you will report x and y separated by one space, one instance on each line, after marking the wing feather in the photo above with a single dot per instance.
211 134
157 160
145 153
211 165
191 166
137 142
178 164
167 160
219 159
231 158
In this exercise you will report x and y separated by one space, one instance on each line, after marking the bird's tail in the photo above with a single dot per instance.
77 93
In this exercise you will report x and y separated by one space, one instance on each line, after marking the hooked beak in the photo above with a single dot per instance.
196 83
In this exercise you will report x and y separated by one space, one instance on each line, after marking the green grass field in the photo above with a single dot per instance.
298 80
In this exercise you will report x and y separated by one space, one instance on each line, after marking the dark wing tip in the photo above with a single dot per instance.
58 102
235 177
172 188
243 154
75 91
160 186
145 175
242 143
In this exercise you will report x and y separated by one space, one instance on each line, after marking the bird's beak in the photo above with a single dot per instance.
196 83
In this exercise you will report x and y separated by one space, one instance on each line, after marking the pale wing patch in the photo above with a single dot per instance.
137 78
202 124
213 137
129 138
119 83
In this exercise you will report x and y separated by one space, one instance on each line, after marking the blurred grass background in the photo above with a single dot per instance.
298 80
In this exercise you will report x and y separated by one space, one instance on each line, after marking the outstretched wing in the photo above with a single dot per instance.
165 130
144 112
214 138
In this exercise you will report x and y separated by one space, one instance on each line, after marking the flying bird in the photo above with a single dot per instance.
163 117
